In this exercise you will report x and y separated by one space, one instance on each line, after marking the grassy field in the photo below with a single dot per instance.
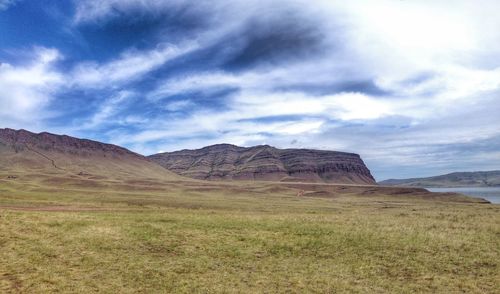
241 238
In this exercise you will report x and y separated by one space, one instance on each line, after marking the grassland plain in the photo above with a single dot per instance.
241 238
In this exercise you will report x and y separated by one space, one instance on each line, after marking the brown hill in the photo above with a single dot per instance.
229 162
23 153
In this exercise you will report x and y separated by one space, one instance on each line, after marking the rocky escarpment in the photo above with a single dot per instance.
229 162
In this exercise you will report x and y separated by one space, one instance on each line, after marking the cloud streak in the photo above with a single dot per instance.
130 65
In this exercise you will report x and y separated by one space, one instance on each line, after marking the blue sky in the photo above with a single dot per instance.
412 86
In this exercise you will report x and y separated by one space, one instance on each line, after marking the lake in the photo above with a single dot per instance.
492 194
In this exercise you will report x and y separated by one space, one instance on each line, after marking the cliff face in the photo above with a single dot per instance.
229 162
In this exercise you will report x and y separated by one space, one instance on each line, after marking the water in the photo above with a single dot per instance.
492 194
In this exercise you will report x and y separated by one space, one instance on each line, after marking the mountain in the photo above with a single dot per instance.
46 168
24 153
266 163
458 179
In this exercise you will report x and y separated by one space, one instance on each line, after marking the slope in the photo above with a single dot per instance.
64 159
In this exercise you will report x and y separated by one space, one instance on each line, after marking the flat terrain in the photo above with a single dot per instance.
145 236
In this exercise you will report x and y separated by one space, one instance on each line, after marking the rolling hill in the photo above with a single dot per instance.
67 159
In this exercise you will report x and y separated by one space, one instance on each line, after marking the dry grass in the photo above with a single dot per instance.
257 238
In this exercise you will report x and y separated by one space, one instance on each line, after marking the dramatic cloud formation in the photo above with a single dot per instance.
413 86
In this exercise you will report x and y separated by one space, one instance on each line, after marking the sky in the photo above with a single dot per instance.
411 86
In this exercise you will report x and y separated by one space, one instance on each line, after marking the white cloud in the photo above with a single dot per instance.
98 10
108 109
5 4
179 105
130 65
26 90
218 11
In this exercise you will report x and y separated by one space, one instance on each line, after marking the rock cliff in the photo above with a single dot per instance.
229 162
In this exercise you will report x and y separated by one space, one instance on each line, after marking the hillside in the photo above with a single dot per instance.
458 179
71 160
266 163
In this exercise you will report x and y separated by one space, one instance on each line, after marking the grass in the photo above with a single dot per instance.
250 238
